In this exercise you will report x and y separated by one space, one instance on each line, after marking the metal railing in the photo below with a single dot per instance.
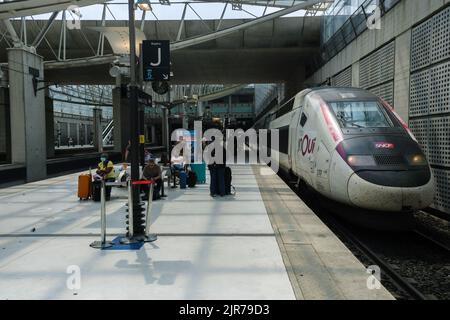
352 28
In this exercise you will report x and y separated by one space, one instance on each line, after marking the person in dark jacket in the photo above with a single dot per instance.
152 172
217 173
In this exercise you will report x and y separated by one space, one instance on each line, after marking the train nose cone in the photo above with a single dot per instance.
365 194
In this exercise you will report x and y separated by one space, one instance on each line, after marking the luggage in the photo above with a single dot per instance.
228 185
191 179
96 190
200 171
84 186
183 179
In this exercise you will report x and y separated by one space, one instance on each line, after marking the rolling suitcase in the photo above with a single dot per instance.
191 179
84 186
96 190
183 179
200 171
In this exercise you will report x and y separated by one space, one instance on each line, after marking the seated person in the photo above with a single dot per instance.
152 172
177 162
105 170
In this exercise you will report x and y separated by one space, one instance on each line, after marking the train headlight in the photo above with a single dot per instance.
361 161
417 160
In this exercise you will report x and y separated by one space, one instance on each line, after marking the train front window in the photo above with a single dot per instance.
360 114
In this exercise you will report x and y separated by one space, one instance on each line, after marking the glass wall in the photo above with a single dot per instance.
345 20
335 17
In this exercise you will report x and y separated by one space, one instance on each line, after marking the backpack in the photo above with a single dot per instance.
191 179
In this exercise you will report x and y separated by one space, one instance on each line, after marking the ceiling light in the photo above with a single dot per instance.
144 5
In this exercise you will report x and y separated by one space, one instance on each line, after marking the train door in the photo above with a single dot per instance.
293 139
306 144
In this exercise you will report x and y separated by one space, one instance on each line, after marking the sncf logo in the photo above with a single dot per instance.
384 145
307 145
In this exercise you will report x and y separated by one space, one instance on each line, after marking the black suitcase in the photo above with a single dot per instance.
228 178
96 190
191 179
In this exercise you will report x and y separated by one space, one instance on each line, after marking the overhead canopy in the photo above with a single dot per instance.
22 8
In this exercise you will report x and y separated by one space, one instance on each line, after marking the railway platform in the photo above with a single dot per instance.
262 243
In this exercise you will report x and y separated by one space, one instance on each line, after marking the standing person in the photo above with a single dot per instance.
217 173
105 169
152 172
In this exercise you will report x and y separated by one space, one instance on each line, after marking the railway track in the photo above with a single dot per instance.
411 261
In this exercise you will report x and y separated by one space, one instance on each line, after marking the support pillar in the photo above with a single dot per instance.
153 134
200 109
121 118
165 129
185 120
5 128
98 139
27 112
49 127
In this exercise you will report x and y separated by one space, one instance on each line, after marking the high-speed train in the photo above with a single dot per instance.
352 147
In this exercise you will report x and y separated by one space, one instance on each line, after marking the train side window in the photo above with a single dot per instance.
284 140
303 120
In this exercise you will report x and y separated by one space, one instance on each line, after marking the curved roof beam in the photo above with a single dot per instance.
22 8
222 33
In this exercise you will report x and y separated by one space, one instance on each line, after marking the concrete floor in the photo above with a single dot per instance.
208 248
262 243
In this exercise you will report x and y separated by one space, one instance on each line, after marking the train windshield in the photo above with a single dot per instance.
360 114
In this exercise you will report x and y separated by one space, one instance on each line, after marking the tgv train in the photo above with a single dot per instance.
352 147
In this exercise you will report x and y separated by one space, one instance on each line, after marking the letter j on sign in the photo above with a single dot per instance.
156 60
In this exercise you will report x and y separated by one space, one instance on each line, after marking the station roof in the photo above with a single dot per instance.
252 53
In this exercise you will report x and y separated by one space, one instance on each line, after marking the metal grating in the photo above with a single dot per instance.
439 141
385 160
420 129
421 45
440 88
343 79
442 197
431 41
440 43
419 95
378 67
433 135
385 91
430 98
